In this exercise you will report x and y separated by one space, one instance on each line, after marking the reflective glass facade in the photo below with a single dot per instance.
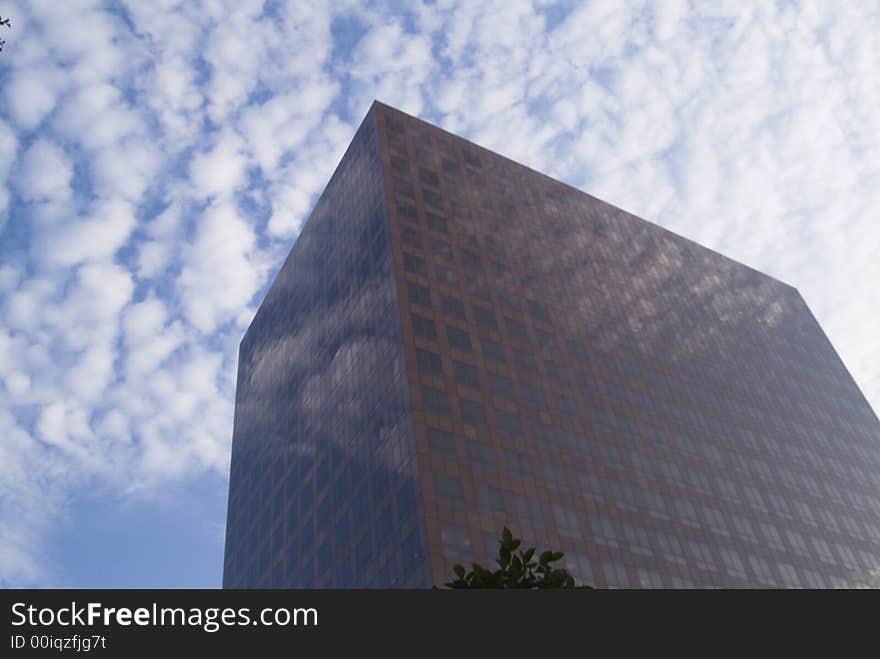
665 416
323 490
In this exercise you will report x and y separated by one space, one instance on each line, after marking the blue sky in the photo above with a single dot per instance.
157 160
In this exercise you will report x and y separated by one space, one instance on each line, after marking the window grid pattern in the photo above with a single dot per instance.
615 386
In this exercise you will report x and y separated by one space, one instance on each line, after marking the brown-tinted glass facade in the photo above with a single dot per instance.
520 353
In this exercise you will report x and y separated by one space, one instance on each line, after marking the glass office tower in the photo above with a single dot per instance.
457 343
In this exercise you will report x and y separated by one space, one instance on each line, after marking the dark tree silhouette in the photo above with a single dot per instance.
516 569
4 22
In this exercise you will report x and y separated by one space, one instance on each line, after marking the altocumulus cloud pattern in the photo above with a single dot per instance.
157 160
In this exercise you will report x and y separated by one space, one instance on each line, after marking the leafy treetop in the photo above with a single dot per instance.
516 569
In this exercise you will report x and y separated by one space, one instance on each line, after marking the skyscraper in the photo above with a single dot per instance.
457 343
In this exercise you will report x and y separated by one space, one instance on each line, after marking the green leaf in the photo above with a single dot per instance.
516 565
459 570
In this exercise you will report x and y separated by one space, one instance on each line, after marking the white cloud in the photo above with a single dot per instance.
45 173
31 96
220 171
96 237
8 147
221 272
289 208
97 117
126 169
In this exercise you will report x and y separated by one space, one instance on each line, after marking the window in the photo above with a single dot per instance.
554 476
428 176
508 423
733 563
726 489
529 510
466 374
518 464
481 454
543 433
701 554
450 166
429 362
477 287
847 556
753 496
686 512
525 360
441 443
419 294
670 471
610 454
432 198
441 250
436 222
789 574
603 531
485 317
699 481
402 186
567 521
471 260
516 329
744 528
424 327
814 579
534 395
399 164
458 339
448 488
492 350
509 300
671 547
539 311
623 494
656 504
637 539
762 570
546 340
823 550
446 275
472 412
779 505
615 575
649 579
452 306
414 265
490 500
407 212
586 382
567 407
501 386
436 401
411 237
556 373
591 487
771 535
456 542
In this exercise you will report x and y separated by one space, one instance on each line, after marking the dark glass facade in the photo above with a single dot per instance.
536 358
323 487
